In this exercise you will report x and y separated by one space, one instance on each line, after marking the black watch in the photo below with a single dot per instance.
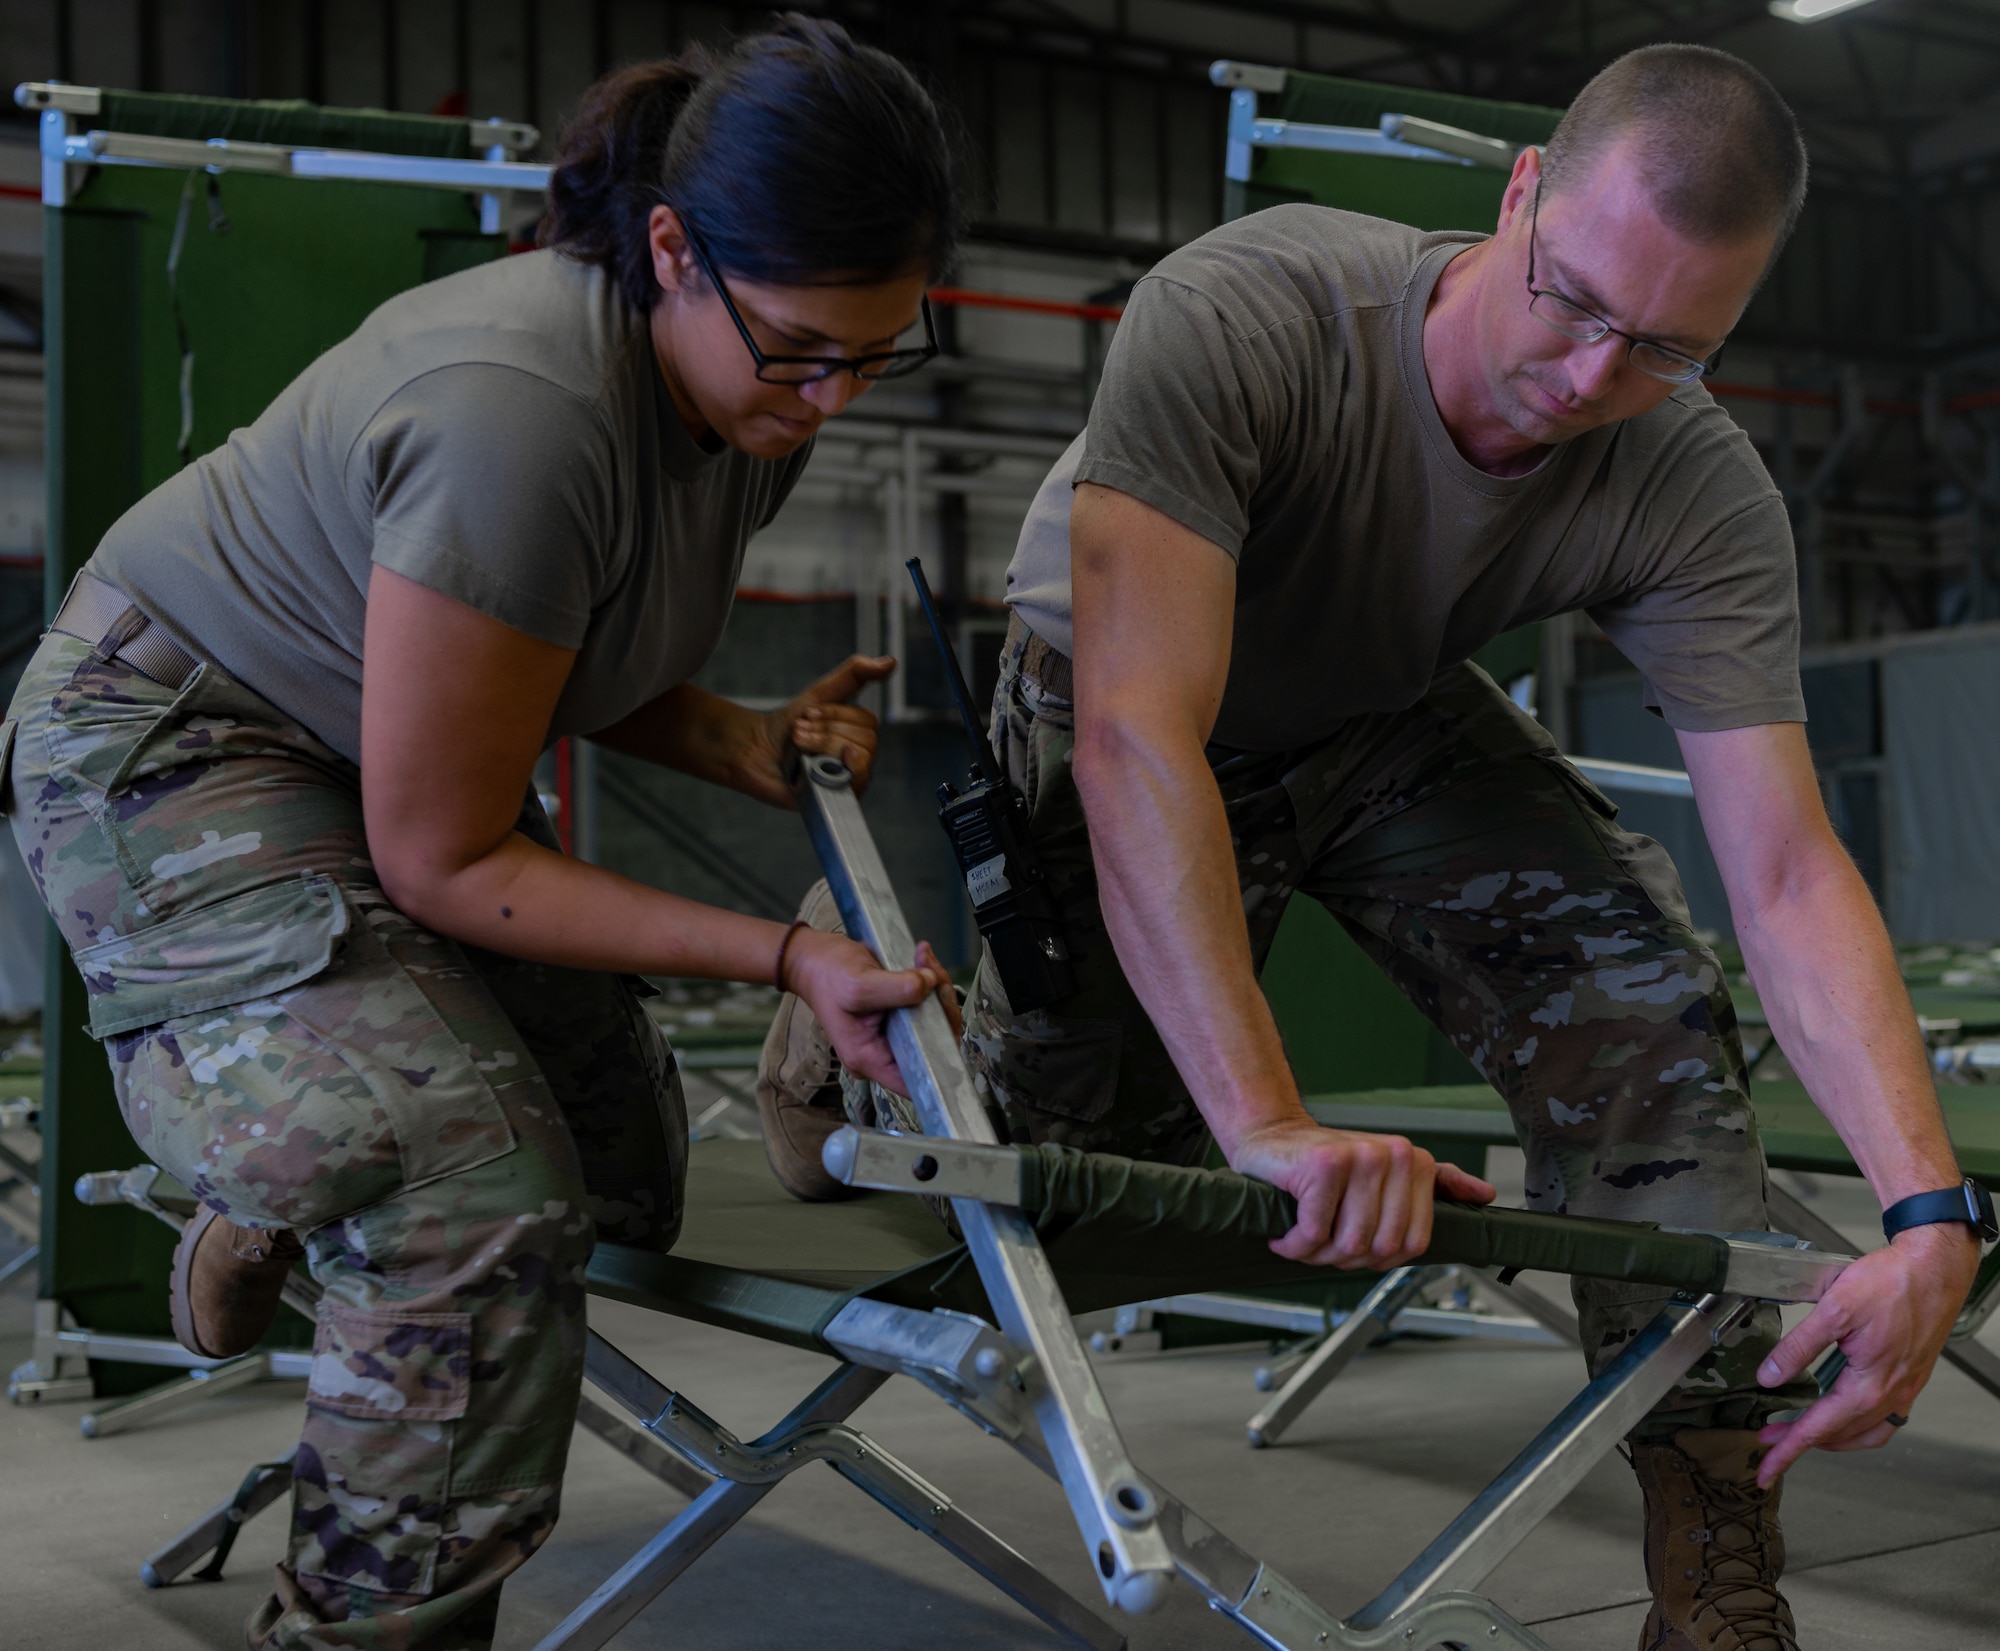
1968 1202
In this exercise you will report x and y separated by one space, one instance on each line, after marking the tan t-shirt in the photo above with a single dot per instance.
1266 389
502 436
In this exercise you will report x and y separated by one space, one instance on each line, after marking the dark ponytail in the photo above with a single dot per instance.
798 156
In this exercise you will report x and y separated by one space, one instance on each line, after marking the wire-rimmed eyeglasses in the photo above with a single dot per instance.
1570 319
810 369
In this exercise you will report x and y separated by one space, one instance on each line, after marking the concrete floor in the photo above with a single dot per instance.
1896 1548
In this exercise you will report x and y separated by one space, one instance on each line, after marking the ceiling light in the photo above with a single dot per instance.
1811 11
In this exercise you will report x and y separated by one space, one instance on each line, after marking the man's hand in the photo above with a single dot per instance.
1365 1201
1891 1314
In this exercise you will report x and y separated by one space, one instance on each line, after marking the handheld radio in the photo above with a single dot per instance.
987 826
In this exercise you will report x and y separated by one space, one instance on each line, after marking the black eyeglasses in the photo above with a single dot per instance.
810 369
1572 320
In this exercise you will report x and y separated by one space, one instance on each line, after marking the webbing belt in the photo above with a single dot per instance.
105 617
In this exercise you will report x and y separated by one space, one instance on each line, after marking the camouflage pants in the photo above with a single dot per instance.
1490 881
447 1129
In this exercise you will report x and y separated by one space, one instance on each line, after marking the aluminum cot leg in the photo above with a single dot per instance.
174 1395
641 1448
636 1583
1555 1462
216 1530
1366 1325
1558 1320
854 1456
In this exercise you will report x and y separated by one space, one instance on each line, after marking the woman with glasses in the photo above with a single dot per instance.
270 765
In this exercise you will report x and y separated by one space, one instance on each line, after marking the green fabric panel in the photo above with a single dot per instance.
300 266
290 121
775 1309
106 1266
1168 1224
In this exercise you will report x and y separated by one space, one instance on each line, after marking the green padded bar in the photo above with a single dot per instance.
1183 1214
291 121
752 1258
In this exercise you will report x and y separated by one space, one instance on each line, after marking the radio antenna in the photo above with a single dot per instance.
961 693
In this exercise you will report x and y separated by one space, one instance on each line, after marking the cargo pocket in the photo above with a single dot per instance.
248 946
372 1491
397 1367
420 1052
1039 1062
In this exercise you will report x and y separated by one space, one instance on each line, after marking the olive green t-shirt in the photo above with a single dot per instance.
502 436
1266 389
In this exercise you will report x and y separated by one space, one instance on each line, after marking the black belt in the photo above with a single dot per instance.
105 617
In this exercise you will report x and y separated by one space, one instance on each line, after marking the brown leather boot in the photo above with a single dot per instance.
226 1283
798 1083
1714 1550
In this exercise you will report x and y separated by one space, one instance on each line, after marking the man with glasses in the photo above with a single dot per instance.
1330 458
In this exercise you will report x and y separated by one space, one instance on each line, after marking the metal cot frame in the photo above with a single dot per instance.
1027 1380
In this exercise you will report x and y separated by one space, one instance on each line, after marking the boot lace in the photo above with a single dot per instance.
1737 1535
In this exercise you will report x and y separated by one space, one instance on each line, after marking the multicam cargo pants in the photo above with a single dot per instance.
446 1128
1491 882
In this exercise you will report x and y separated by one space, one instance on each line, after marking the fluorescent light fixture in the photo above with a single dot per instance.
1811 11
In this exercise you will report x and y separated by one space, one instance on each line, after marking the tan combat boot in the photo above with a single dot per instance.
227 1281
1714 1550
798 1083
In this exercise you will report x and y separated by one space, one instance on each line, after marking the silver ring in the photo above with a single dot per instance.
1897 1421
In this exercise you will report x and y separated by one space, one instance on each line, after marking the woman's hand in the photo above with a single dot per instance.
852 995
821 721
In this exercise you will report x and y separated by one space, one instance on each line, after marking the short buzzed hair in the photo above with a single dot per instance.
1718 149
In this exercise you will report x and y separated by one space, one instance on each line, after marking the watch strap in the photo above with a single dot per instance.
1968 1202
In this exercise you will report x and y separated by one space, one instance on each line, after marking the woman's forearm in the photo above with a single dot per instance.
529 901
691 730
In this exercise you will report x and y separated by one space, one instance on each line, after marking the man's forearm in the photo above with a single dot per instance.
1826 972
1167 883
